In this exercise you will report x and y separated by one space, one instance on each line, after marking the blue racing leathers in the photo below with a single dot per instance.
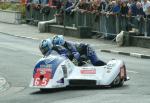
93 57
72 50
79 49
61 50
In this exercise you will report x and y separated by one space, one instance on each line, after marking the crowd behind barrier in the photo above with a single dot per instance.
110 22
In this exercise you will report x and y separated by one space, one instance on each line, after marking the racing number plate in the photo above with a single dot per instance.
42 76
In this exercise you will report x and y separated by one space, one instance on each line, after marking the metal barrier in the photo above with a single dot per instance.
103 23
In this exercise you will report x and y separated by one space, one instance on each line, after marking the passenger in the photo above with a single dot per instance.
77 50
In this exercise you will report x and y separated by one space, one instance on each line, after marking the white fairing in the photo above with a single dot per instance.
104 75
67 71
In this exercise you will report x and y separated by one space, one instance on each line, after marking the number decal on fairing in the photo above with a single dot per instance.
44 82
38 82
42 77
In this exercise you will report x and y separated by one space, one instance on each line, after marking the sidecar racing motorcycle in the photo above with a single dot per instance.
56 71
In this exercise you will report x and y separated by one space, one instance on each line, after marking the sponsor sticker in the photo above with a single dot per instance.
88 71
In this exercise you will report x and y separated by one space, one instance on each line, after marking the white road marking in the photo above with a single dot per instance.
130 71
135 55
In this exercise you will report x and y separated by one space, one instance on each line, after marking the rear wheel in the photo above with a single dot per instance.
118 82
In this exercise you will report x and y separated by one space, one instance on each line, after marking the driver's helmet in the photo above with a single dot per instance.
46 46
58 40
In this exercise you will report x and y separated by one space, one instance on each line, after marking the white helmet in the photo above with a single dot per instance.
46 46
58 40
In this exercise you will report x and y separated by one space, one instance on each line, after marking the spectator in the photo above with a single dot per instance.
146 8
103 5
82 6
140 15
109 7
28 4
133 8
95 6
69 6
36 4
56 4
116 7
140 11
124 8
45 7
113 7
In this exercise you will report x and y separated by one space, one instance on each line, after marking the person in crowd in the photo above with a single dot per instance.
70 5
82 6
146 8
109 7
103 5
133 8
28 4
36 4
77 50
140 11
95 6
140 16
116 7
124 8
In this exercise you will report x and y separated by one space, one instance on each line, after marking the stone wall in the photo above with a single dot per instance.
13 17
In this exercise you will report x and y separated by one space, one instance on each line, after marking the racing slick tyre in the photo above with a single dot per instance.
118 82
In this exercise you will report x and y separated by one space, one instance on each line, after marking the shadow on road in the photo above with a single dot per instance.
48 91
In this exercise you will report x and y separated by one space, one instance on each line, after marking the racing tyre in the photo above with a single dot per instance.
118 82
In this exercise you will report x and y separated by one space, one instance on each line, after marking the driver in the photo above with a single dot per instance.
46 47
78 49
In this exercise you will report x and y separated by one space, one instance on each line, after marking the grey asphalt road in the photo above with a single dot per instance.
17 59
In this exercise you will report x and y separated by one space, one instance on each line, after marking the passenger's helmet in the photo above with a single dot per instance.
58 40
46 46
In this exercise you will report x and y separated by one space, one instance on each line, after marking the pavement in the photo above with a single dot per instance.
31 32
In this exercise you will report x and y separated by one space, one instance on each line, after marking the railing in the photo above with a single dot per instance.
108 24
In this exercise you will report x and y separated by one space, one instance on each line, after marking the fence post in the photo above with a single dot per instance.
145 30
99 25
105 26
64 14
77 18
117 24
85 19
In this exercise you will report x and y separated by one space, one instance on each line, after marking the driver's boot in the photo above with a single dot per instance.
94 60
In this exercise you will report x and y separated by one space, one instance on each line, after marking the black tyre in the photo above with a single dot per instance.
118 82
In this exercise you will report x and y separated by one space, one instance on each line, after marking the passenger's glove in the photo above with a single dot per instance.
76 56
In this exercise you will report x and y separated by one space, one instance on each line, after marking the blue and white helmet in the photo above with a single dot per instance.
46 46
58 40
